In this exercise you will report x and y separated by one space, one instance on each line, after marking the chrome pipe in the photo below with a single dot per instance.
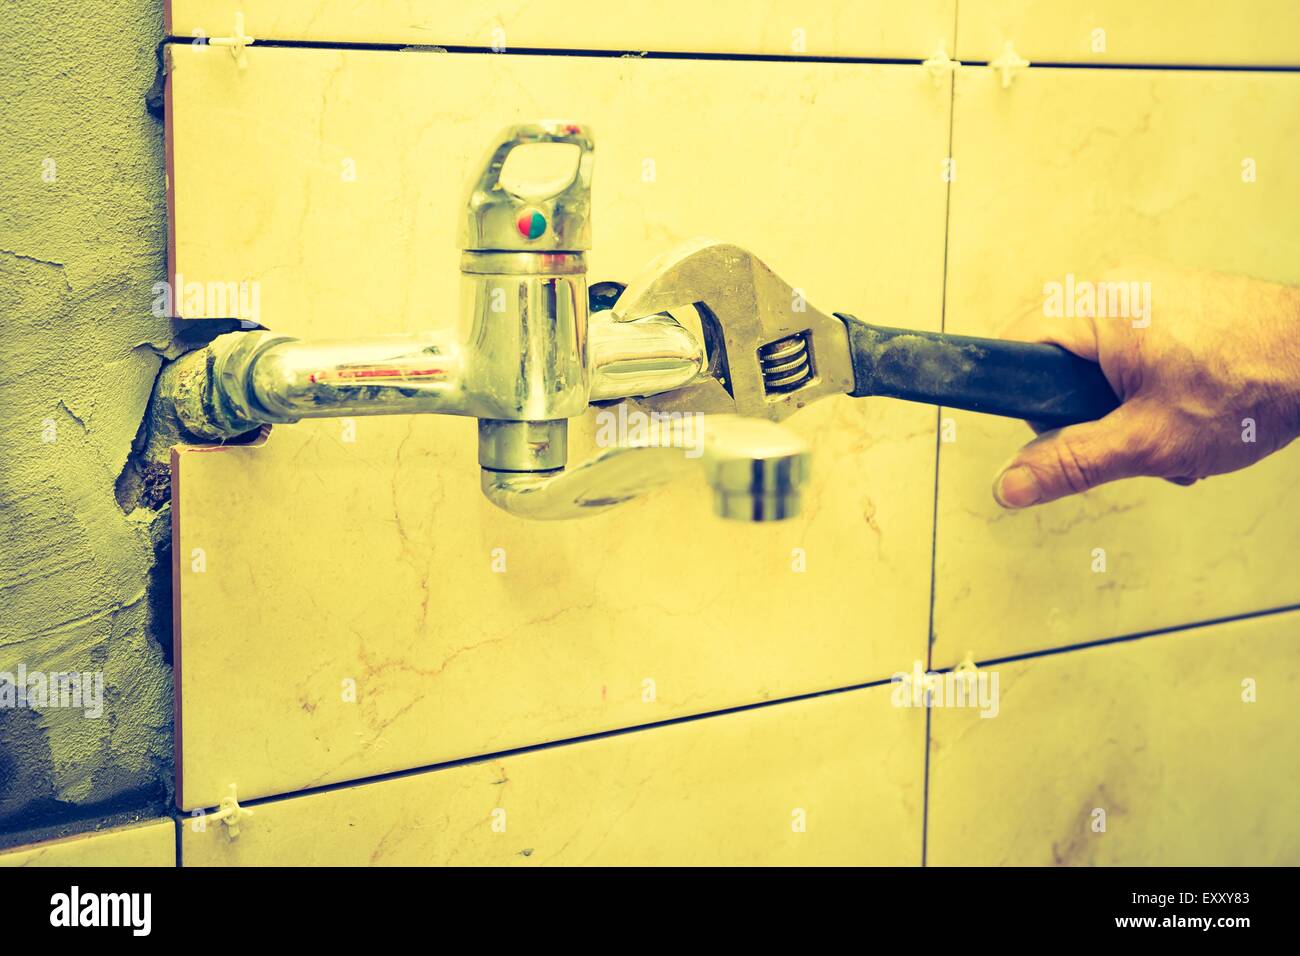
642 357
390 375
264 378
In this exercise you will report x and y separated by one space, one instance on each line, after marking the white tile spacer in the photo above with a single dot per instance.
238 43
967 669
230 813
940 66
1009 63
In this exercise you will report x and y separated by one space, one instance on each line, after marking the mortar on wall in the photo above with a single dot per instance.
84 531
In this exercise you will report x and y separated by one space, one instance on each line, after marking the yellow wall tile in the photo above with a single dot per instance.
1157 733
141 844
829 27
372 561
1129 163
724 790
1259 32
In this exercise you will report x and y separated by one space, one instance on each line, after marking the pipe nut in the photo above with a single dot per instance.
234 355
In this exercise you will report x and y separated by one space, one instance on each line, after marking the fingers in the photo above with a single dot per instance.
1075 459
1074 335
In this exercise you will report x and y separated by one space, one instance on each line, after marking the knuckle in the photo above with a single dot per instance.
1075 467
1169 450
1158 455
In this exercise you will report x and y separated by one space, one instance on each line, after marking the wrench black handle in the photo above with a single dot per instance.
1043 384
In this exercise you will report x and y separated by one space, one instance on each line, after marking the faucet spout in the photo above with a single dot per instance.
756 468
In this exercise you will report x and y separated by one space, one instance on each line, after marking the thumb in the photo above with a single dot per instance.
1073 459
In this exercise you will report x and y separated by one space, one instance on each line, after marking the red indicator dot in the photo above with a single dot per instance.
531 224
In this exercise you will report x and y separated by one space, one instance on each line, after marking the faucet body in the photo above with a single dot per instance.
526 337
524 304
524 357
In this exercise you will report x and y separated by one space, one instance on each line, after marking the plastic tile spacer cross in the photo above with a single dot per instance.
967 670
1008 64
238 43
230 813
940 65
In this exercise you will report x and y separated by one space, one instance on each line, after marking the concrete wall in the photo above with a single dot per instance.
84 577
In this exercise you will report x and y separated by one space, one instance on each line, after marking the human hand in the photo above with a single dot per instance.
1209 380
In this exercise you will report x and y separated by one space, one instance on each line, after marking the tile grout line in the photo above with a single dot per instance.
1172 67
549 744
428 47
1139 635
740 57
925 794
938 443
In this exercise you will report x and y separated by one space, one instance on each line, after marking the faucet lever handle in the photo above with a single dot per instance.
498 220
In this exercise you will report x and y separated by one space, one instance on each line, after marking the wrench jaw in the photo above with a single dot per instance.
770 354
777 353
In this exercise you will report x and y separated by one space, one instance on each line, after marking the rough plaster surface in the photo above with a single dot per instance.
79 352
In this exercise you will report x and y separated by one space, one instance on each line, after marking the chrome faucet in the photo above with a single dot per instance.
525 357
524 303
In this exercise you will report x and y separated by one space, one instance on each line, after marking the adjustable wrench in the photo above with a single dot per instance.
771 353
